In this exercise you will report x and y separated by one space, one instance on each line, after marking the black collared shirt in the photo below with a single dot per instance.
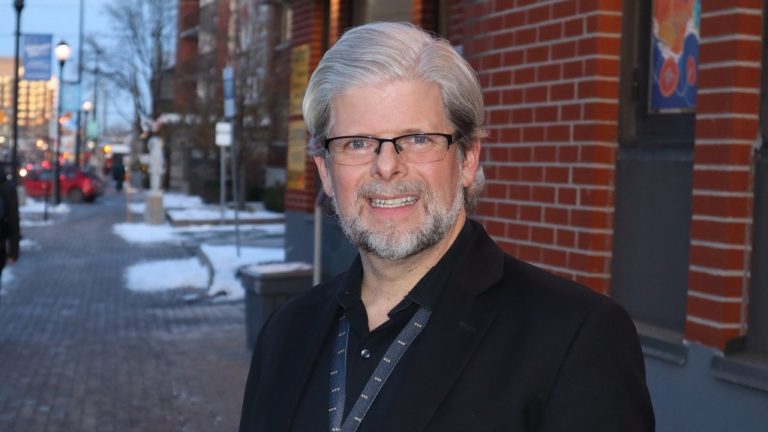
365 348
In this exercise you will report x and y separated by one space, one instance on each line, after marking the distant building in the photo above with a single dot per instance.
246 36
36 111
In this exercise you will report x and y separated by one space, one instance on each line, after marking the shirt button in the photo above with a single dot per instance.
365 354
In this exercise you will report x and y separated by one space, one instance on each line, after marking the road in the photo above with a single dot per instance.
80 353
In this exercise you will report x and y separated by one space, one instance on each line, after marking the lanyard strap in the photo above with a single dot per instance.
385 367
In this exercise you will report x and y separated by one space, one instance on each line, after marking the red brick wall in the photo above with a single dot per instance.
423 14
307 28
550 74
185 74
726 128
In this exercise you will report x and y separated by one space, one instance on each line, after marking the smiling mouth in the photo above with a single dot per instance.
392 203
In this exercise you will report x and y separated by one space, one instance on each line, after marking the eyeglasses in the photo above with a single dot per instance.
413 148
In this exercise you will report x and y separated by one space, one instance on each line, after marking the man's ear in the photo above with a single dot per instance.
325 175
471 163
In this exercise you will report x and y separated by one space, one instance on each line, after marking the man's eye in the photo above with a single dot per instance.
356 144
419 139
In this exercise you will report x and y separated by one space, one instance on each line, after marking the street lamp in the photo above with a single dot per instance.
63 52
87 107
18 5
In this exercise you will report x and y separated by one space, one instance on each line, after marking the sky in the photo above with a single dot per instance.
61 19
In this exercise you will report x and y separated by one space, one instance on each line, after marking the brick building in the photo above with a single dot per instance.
592 175
213 35
36 109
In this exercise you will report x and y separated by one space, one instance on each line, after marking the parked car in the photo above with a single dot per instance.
76 184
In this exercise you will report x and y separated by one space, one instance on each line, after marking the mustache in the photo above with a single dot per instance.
378 188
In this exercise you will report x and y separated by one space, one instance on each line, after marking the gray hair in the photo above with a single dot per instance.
388 51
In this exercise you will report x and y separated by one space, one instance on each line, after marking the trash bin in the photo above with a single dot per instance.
267 286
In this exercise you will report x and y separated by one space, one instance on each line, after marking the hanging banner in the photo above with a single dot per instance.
674 55
36 57
299 78
70 97
297 154
92 129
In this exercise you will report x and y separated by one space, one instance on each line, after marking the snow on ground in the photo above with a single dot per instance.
225 263
268 229
35 223
137 207
26 244
214 214
38 206
189 273
144 233
171 201
177 200
7 276
166 274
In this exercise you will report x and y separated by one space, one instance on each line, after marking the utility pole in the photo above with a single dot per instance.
19 6
78 140
96 98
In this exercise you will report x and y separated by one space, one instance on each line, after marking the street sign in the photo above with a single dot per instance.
228 82
223 134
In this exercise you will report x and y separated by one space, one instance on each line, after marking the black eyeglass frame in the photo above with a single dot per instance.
454 137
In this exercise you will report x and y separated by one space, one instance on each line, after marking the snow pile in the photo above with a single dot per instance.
225 263
171 200
145 233
177 200
37 206
214 214
166 275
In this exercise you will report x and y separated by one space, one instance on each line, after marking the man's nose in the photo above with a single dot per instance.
388 162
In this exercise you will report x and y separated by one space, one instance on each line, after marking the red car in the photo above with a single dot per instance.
76 184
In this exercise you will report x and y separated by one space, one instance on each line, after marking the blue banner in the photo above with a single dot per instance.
70 97
36 57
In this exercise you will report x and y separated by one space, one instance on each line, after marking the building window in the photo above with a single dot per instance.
286 22
654 173
365 11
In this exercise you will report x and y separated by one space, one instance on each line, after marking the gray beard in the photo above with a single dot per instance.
390 243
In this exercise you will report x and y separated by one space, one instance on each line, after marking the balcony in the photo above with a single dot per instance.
190 24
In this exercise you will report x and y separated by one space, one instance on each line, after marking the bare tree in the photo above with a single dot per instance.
143 52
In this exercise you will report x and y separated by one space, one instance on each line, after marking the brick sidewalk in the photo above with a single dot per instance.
80 353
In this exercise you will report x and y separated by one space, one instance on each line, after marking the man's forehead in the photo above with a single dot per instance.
416 105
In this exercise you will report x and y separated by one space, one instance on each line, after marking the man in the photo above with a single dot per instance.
433 327
10 234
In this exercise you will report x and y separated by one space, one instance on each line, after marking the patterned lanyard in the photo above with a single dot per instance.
377 379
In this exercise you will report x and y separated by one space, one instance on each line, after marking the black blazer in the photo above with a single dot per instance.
530 352
10 235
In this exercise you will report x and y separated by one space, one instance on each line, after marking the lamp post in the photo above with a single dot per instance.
78 141
18 5
86 108
63 52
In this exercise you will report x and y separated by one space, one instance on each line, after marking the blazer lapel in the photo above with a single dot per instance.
309 331
455 328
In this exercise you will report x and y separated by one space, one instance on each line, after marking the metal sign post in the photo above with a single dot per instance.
223 140
228 81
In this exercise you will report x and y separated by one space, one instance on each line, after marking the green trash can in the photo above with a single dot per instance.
267 286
